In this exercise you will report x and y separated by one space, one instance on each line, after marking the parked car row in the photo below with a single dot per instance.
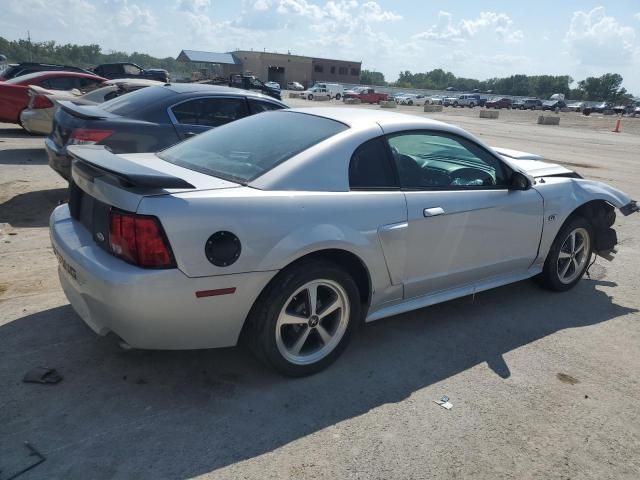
106 70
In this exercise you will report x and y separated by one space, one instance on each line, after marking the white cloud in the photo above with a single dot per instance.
135 19
193 6
594 38
447 31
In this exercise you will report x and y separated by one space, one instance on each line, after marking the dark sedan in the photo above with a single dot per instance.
150 119
498 103
527 104
553 105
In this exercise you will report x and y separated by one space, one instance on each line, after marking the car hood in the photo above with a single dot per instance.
530 163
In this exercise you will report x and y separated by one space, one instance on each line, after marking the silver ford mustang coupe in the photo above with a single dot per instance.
290 228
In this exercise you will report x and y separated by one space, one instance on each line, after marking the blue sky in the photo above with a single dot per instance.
477 39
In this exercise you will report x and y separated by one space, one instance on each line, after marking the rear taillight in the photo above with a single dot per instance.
140 240
41 101
86 136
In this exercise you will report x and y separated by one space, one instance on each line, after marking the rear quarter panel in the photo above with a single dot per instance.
275 228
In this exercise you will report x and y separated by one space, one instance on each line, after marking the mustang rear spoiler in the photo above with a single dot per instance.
95 160
86 112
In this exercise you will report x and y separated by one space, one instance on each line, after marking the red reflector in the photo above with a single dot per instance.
41 101
215 293
139 239
86 136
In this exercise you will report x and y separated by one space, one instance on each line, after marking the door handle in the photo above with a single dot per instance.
433 211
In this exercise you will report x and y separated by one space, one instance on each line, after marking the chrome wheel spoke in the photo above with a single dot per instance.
329 309
564 255
297 346
312 292
565 269
572 238
288 319
324 335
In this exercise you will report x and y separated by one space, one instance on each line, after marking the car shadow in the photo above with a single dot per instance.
144 414
23 156
32 209
17 132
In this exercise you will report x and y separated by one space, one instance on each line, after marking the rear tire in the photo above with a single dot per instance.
338 96
568 257
302 348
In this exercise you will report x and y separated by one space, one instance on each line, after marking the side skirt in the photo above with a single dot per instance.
446 295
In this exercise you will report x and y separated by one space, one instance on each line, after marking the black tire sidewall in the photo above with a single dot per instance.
264 315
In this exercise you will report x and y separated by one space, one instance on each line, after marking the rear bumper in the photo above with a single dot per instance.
149 309
59 160
38 121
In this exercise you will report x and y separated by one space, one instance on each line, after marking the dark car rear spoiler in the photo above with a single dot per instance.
96 159
86 112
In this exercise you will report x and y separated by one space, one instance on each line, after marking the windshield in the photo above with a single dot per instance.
243 150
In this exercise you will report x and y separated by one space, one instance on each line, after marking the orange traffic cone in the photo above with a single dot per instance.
618 125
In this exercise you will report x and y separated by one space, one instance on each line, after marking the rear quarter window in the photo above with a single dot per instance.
136 104
244 150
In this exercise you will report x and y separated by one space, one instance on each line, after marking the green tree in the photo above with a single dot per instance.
368 77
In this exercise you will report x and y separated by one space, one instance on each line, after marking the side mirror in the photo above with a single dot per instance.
519 181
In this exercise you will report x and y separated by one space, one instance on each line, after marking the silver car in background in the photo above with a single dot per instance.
289 228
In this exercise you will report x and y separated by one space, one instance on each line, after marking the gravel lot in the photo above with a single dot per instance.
543 385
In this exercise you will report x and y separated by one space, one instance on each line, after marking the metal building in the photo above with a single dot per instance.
276 67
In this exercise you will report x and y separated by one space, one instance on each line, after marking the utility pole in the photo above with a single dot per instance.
29 40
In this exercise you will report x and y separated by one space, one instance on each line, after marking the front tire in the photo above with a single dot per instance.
305 318
338 96
568 257
310 97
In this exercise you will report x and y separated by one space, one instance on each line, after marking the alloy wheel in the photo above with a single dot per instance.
573 255
312 322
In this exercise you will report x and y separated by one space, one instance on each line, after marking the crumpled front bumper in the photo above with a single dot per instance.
630 208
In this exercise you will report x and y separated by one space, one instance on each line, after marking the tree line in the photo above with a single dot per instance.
607 87
85 56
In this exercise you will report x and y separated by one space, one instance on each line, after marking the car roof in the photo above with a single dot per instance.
361 116
51 73
204 88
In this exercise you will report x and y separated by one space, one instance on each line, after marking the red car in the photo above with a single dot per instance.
367 95
14 95
498 103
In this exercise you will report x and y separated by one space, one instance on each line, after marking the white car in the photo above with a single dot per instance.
316 92
291 227
435 100
413 99
335 89
273 85
294 86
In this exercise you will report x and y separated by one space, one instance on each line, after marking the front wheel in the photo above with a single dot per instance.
410 102
338 96
310 97
305 318
568 257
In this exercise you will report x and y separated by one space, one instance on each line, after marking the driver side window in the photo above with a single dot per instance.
442 161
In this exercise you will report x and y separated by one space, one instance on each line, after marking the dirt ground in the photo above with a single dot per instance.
543 385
